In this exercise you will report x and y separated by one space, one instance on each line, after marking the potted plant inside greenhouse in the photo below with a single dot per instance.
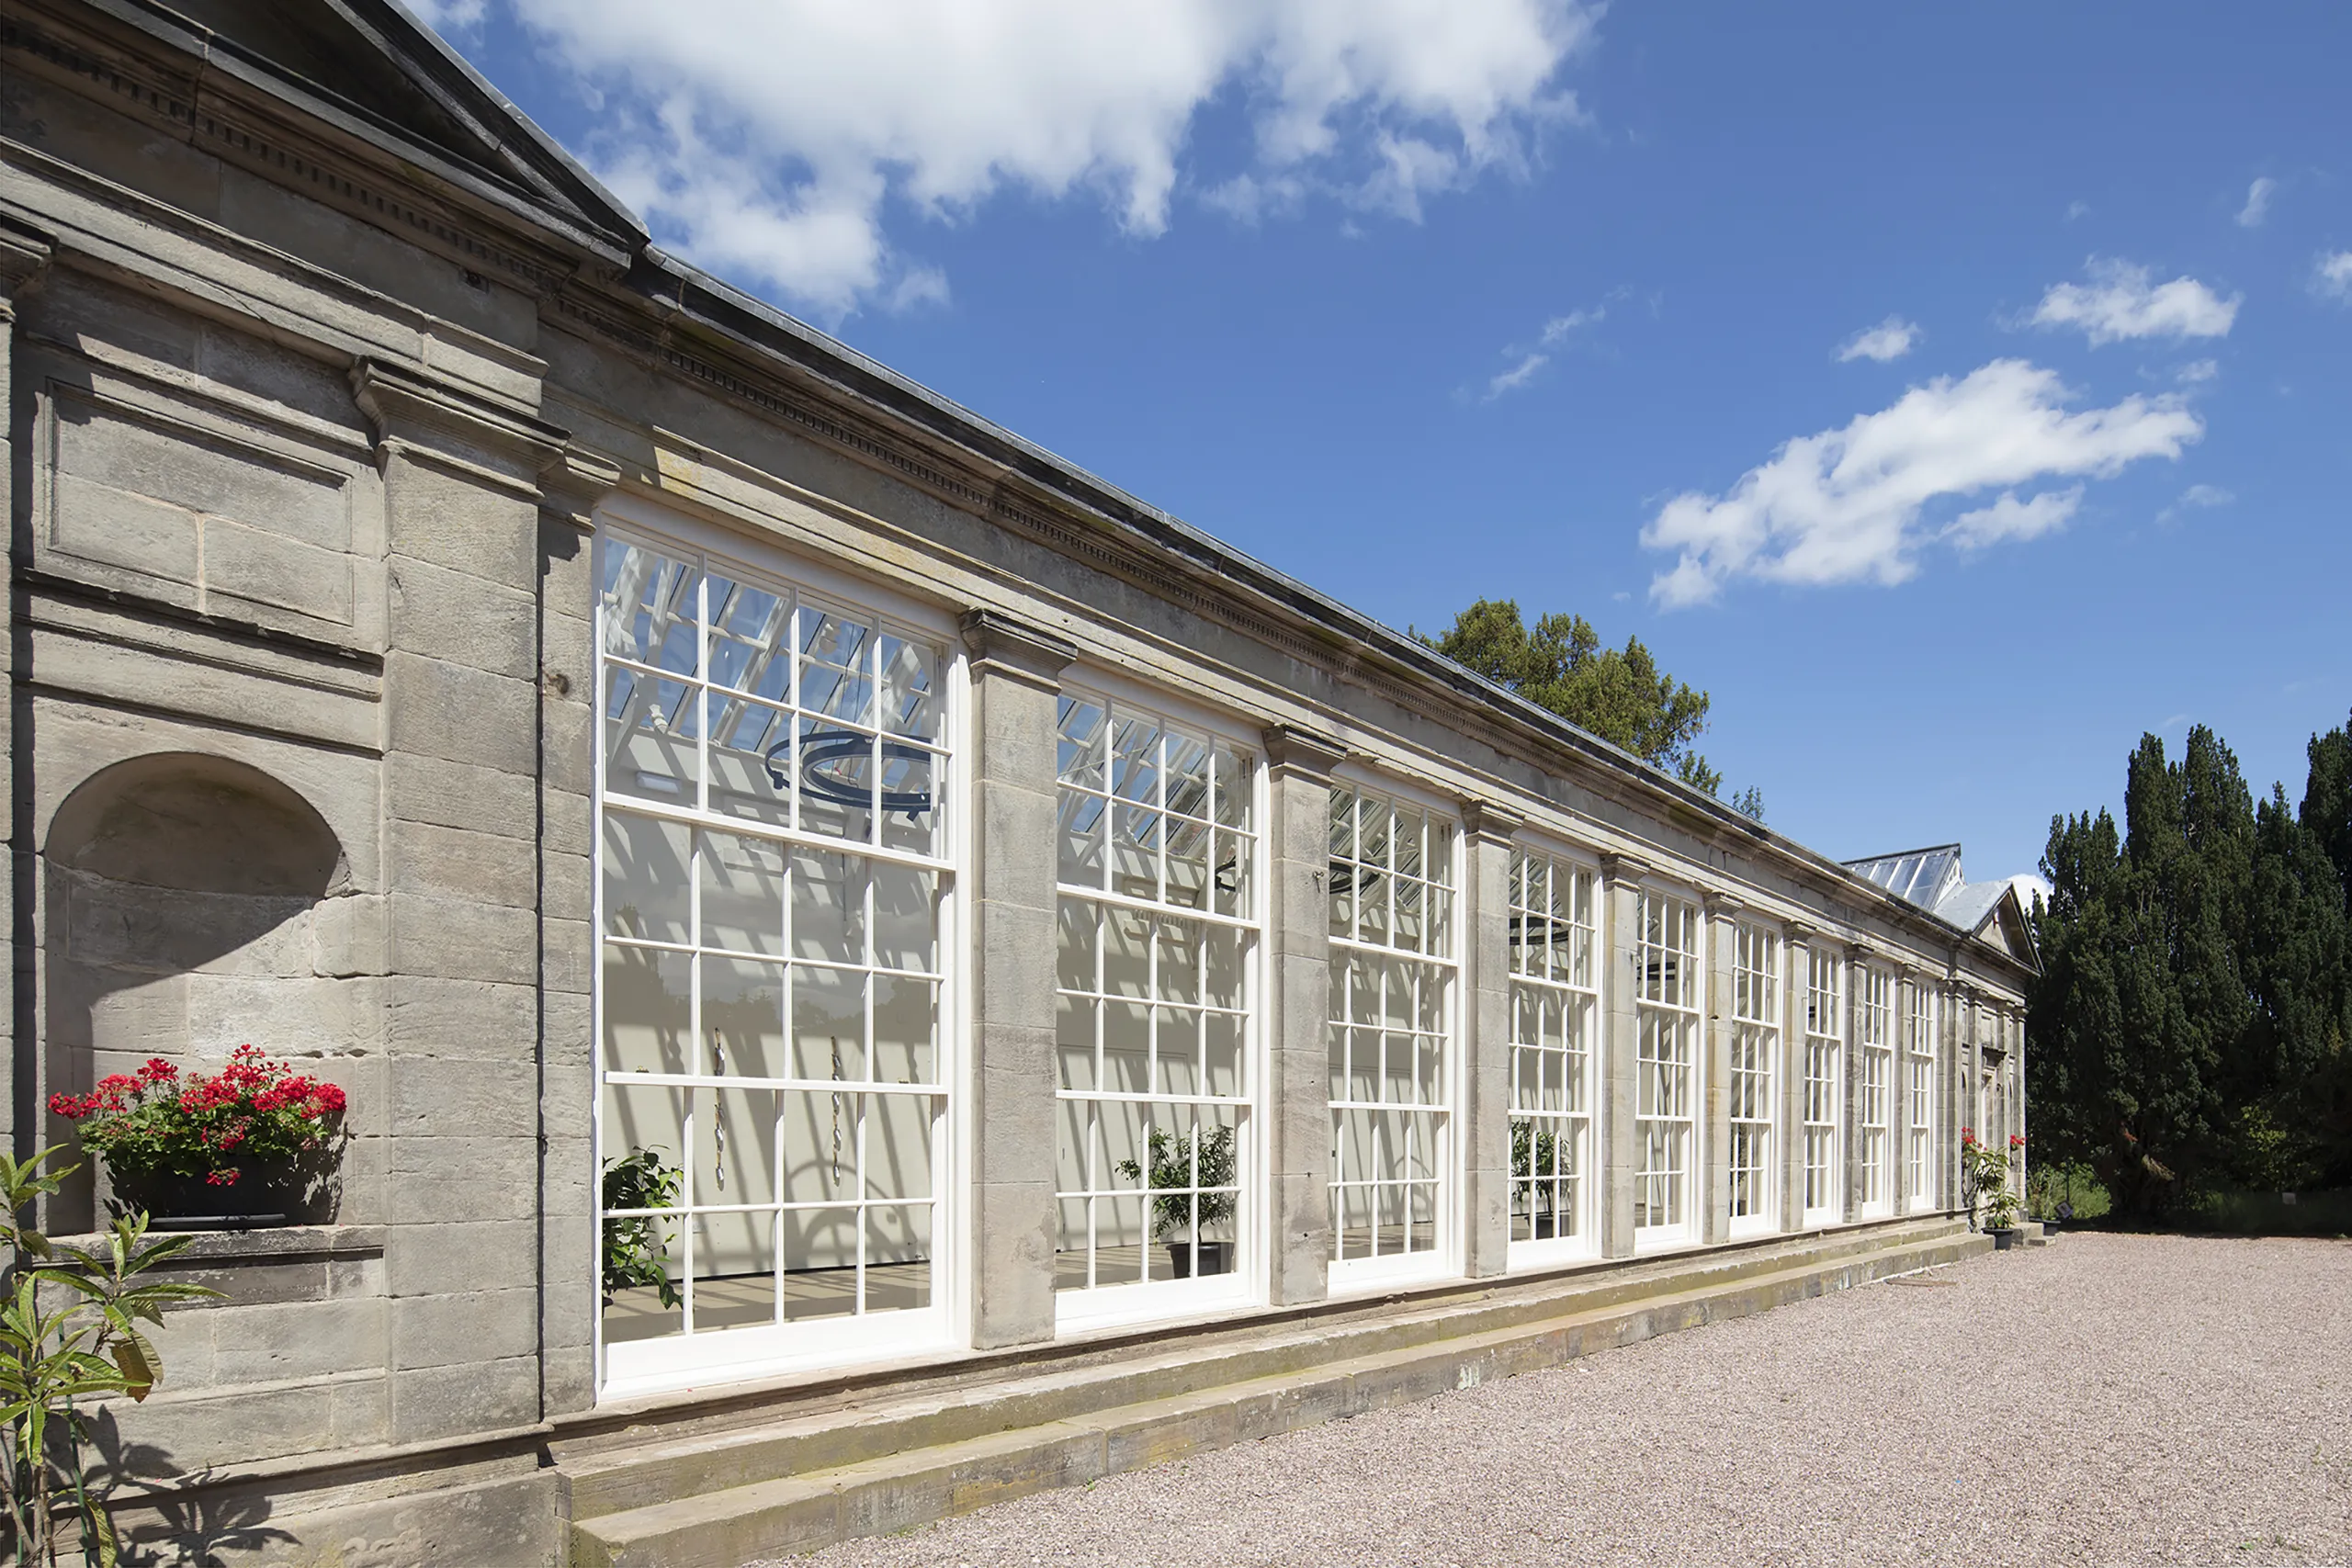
1536 1169
1192 1183
249 1146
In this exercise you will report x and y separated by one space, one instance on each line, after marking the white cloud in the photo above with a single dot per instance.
781 142
1556 331
1891 339
2010 520
1847 505
2077 210
2123 302
2332 276
2198 371
449 16
1518 376
2196 497
2258 203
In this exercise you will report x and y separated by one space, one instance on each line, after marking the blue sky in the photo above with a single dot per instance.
1424 301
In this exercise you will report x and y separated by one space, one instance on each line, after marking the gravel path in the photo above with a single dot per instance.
2106 1400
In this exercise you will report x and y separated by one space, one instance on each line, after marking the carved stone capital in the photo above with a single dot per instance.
575 483
408 404
1290 749
24 256
1798 933
1623 868
1722 905
1001 646
1485 820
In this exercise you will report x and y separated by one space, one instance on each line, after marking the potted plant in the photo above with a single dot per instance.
1180 1167
230 1150
1986 1173
1534 1160
636 1246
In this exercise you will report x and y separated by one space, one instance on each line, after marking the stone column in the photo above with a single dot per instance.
1017 673
1712 1161
1620 877
1299 1016
1487 832
471 952
1796 951
23 255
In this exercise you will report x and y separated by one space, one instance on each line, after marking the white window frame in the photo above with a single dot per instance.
1874 1093
1100 1306
1822 1113
1919 1119
638 1368
1438 959
1544 983
1669 1063
1752 1161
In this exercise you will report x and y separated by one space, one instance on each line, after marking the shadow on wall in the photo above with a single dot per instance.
190 905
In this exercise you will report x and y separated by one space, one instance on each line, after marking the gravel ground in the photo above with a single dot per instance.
2105 1399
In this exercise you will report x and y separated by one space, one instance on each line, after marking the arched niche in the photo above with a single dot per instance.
182 896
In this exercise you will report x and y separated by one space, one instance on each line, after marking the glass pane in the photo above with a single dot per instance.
743 1018
646 885
1080 753
650 737
742 893
650 607
906 918
835 674
828 905
906 1031
750 640
751 760
899 1132
909 688
648 1011
829 1023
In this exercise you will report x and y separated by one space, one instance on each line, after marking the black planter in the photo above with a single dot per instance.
1545 1224
2005 1239
173 1202
1217 1258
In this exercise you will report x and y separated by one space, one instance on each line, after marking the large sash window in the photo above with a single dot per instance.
1158 939
1873 1092
772 885
1755 1073
1391 1036
1824 1063
1556 1009
1667 1005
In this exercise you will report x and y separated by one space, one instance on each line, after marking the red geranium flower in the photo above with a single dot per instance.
253 1112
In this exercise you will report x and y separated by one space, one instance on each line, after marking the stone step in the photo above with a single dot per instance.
650 1466
722 1517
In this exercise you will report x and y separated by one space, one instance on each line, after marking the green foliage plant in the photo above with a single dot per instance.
1986 1179
1534 1157
70 1335
1618 693
636 1246
1176 1173
253 1114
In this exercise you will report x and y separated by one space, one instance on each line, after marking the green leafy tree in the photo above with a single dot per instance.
1619 693
2192 1024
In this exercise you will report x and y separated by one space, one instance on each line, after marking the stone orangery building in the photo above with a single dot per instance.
1053 991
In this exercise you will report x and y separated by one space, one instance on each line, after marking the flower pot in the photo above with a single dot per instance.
1217 1258
1545 1225
253 1201
2005 1239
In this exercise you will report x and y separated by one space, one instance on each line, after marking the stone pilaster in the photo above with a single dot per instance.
1016 672
1487 832
1710 1161
1621 881
468 934
23 256
569 491
1298 968
1796 954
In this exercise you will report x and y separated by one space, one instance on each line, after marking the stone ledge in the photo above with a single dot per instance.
271 1244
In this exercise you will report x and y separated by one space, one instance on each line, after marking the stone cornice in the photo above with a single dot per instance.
1722 906
1622 869
1005 647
